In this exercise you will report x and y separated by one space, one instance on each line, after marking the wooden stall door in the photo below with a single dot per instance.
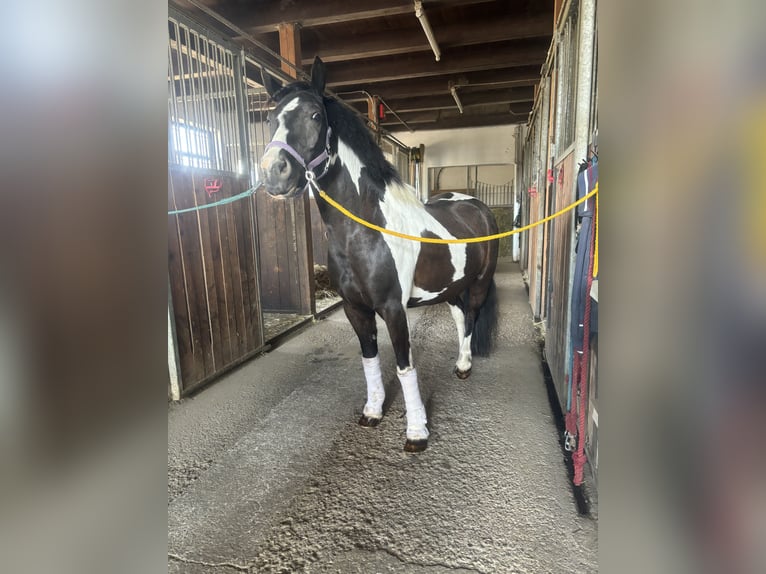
533 264
213 275
561 247
318 235
285 254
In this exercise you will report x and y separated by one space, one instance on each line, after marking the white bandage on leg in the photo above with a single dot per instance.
376 394
464 359
464 343
416 412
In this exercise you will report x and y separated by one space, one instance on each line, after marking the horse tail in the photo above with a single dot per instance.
485 327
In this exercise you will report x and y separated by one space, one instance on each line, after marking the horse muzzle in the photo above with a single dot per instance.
278 176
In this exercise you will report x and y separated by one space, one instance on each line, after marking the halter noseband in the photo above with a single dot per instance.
309 167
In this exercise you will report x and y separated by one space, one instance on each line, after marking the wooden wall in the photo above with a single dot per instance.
561 255
285 254
213 275
318 235
534 237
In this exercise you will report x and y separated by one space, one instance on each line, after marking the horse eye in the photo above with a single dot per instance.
315 116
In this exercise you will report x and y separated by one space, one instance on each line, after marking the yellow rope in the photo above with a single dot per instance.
350 215
595 249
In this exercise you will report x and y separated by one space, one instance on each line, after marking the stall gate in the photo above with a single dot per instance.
214 295
284 225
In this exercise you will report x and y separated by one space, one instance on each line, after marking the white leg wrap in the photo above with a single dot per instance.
376 394
464 343
416 412
464 358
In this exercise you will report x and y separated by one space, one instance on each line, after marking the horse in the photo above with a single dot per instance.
318 143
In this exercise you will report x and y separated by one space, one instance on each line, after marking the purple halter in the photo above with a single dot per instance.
309 167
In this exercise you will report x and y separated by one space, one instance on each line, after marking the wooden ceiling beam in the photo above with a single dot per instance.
443 114
473 81
460 122
422 64
469 100
266 16
383 43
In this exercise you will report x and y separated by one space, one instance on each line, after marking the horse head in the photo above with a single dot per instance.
300 135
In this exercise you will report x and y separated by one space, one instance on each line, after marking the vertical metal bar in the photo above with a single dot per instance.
230 139
241 108
182 74
232 115
194 123
223 110
218 107
172 103
206 95
208 103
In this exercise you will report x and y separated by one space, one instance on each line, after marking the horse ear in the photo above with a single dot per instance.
318 75
271 84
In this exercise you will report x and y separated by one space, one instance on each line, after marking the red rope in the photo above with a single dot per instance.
578 458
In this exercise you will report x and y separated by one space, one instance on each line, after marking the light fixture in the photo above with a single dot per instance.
421 15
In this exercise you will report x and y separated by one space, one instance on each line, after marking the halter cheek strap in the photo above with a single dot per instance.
310 166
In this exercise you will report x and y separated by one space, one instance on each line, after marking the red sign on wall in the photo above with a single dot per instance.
212 186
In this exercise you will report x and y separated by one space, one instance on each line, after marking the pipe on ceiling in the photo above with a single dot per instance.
423 18
453 91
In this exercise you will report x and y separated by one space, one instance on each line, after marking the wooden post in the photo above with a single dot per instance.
372 114
290 49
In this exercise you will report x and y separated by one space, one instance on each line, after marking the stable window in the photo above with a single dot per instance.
192 146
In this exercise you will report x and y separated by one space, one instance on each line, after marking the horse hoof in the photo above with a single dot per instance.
415 445
462 374
366 421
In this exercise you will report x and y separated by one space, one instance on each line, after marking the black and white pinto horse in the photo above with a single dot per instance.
316 138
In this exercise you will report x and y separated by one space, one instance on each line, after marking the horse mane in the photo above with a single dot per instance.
347 124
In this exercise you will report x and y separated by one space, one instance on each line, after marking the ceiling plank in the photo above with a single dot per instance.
265 17
422 65
384 43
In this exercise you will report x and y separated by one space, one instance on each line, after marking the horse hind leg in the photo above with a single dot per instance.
363 322
462 320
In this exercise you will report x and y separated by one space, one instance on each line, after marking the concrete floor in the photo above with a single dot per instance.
269 472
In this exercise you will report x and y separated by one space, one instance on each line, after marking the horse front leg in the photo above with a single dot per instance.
395 316
363 321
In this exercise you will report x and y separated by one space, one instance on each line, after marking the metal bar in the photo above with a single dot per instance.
219 135
231 122
173 107
223 116
194 104
187 132
241 105
210 105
